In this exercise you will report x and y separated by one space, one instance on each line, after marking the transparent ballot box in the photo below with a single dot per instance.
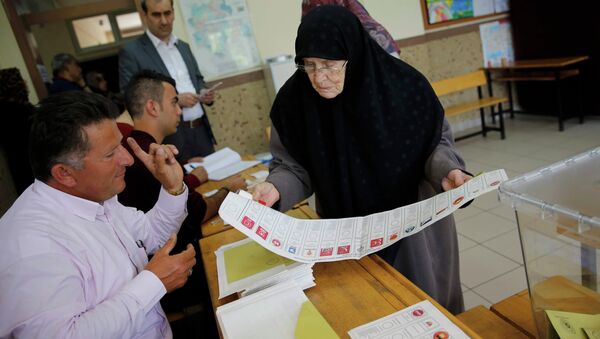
558 215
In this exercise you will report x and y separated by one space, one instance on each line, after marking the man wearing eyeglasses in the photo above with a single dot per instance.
161 51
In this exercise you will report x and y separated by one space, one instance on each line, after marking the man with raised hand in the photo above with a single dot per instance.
73 260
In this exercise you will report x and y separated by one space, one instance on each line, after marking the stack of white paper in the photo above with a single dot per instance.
246 267
279 312
221 164
271 313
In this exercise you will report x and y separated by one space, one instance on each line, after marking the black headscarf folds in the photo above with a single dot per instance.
365 149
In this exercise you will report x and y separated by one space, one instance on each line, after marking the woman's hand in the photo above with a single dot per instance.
265 192
454 179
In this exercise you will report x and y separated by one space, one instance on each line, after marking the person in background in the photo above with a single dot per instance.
67 74
14 130
375 29
73 260
152 102
161 51
98 84
125 124
366 133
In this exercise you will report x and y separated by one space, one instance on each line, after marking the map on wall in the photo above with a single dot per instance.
445 10
221 34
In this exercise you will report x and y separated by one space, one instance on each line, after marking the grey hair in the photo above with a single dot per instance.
74 156
60 61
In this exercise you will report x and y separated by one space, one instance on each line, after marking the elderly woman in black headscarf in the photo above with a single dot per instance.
366 133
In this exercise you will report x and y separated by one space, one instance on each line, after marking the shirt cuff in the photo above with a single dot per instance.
172 203
147 289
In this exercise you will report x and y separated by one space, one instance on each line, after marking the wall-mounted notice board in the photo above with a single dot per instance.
439 13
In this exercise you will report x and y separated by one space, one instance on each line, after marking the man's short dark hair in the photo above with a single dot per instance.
60 62
145 7
57 135
143 86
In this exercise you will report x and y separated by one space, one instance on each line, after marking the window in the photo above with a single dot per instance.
129 25
93 31
99 31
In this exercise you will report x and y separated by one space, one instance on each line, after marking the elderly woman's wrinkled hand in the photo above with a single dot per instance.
454 179
266 193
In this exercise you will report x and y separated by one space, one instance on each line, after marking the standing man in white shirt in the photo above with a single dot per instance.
161 51
73 260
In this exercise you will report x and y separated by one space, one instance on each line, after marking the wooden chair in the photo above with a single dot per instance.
469 81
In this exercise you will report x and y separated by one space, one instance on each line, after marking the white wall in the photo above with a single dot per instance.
275 22
179 28
10 54
402 18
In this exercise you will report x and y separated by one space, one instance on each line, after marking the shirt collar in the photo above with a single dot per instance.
156 41
83 208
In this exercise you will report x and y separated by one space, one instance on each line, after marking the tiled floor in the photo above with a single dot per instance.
490 251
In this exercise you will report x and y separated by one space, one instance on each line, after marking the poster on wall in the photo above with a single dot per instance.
446 10
439 11
221 35
496 40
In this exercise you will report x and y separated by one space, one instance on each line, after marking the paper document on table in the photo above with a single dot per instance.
246 266
221 164
348 238
279 312
421 320
570 325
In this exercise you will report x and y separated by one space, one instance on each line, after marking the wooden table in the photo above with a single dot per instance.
489 325
348 294
516 310
555 293
554 69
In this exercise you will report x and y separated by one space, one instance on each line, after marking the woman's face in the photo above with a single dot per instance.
326 76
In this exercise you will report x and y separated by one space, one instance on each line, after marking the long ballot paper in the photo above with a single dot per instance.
324 240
